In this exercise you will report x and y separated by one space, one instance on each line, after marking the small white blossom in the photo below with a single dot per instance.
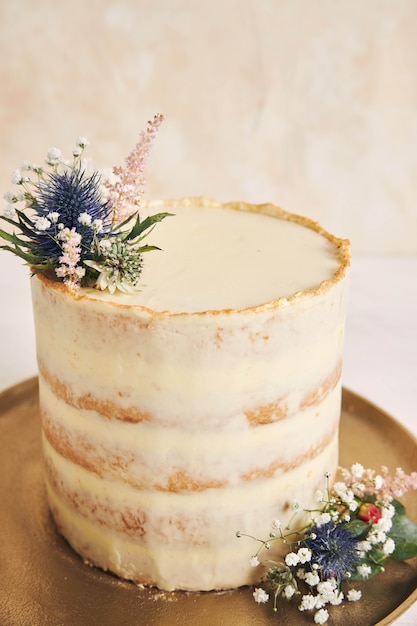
53 156
276 524
296 506
354 595
384 524
378 481
339 488
9 211
82 142
254 561
301 573
388 510
312 579
364 546
353 505
304 555
292 559
348 496
53 217
318 496
308 602
321 616
327 474
357 470
337 598
323 518
327 588
42 223
389 546
80 271
105 245
260 595
17 177
288 592
364 570
84 219
9 196
98 225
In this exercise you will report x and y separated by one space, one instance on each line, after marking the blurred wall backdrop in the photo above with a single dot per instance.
310 104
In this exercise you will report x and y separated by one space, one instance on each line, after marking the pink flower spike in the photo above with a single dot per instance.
126 192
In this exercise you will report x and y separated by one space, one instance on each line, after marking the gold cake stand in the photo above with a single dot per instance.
44 583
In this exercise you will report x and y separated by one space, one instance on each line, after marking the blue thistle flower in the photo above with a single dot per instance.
334 549
70 194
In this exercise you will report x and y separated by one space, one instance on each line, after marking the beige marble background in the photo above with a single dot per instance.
311 104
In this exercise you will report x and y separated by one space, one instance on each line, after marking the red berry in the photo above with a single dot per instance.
369 512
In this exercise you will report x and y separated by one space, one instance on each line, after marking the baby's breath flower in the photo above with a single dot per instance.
17 178
9 196
289 591
53 217
378 481
308 602
340 488
42 223
254 561
260 595
82 142
364 546
321 519
304 555
296 505
337 598
354 595
312 579
357 470
54 156
98 226
389 546
364 570
84 219
319 497
292 559
321 616
9 211
276 524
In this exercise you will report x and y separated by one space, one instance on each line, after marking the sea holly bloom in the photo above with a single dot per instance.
349 538
74 231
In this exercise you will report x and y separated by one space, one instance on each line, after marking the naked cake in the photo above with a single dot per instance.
207 402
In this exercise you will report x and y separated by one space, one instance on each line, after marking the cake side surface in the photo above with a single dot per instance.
167 430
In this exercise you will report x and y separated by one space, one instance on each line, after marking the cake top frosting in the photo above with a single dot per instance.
232 256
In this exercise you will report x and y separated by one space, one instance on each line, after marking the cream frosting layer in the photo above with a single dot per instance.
168 427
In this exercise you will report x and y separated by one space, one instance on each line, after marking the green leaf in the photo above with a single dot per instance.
139 227
403 529
28 258
399 508
376 556
405 550
358 528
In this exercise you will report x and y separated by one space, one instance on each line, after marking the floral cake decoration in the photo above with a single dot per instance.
359 524
81 227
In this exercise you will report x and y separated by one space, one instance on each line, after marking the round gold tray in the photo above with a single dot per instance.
44 583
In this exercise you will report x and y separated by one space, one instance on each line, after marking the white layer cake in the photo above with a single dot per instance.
203 405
